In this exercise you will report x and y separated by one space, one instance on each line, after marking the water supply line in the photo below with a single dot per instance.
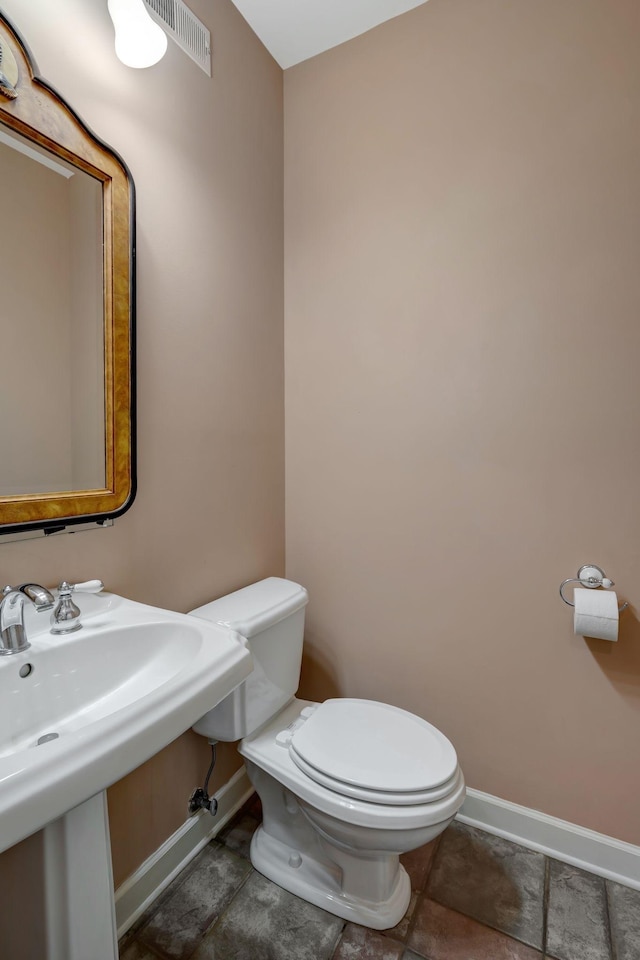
200 799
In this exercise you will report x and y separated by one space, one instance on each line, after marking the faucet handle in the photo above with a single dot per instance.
87 586
66 616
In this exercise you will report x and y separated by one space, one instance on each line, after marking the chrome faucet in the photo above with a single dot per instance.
13 636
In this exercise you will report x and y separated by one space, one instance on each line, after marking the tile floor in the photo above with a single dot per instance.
475 897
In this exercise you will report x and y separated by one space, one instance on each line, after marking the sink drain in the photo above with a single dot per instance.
46 737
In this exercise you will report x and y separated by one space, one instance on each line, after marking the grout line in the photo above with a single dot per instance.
421 893
545 905
412 922
231 899
338 940
221 842
143 946
154 953
151 951
607 906
217 920
432 862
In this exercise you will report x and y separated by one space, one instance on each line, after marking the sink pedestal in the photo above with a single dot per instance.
113 694
79 903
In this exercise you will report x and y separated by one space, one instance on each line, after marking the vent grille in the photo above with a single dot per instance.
183 26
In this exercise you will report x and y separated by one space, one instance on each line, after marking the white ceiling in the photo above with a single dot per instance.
294 30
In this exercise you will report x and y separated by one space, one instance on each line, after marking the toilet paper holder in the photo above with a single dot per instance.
590 576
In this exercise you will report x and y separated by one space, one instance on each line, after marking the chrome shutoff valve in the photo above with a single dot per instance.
66 615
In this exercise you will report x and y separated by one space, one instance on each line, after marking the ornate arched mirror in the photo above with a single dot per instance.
66 310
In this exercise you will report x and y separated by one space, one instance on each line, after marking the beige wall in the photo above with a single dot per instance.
206 157
462 221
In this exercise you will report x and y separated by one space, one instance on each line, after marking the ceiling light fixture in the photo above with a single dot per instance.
140 42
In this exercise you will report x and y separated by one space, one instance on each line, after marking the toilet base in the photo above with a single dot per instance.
318 883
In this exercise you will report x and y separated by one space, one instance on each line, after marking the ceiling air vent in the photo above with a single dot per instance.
183 26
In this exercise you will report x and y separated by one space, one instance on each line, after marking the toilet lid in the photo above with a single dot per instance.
374 751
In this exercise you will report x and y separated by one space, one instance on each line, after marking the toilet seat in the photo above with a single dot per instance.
266 749
376 796
372 751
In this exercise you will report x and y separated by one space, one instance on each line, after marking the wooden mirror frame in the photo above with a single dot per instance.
32 108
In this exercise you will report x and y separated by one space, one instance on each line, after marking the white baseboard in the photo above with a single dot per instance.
155 874
583 848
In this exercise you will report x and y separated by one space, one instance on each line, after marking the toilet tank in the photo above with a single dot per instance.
270 615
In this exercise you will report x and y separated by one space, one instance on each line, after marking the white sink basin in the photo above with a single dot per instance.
132 680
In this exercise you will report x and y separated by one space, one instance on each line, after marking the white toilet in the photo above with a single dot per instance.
346 785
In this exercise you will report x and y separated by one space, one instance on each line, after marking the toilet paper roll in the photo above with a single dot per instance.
596 614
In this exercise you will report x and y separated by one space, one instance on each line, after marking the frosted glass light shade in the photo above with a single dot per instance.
140 42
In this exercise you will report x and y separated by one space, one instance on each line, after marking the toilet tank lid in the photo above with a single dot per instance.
256 607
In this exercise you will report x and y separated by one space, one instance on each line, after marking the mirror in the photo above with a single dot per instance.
55 212
66 316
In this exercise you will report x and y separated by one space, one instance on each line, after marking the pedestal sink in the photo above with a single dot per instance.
78 712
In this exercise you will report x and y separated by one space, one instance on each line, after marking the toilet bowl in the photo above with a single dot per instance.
346 786
338 851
